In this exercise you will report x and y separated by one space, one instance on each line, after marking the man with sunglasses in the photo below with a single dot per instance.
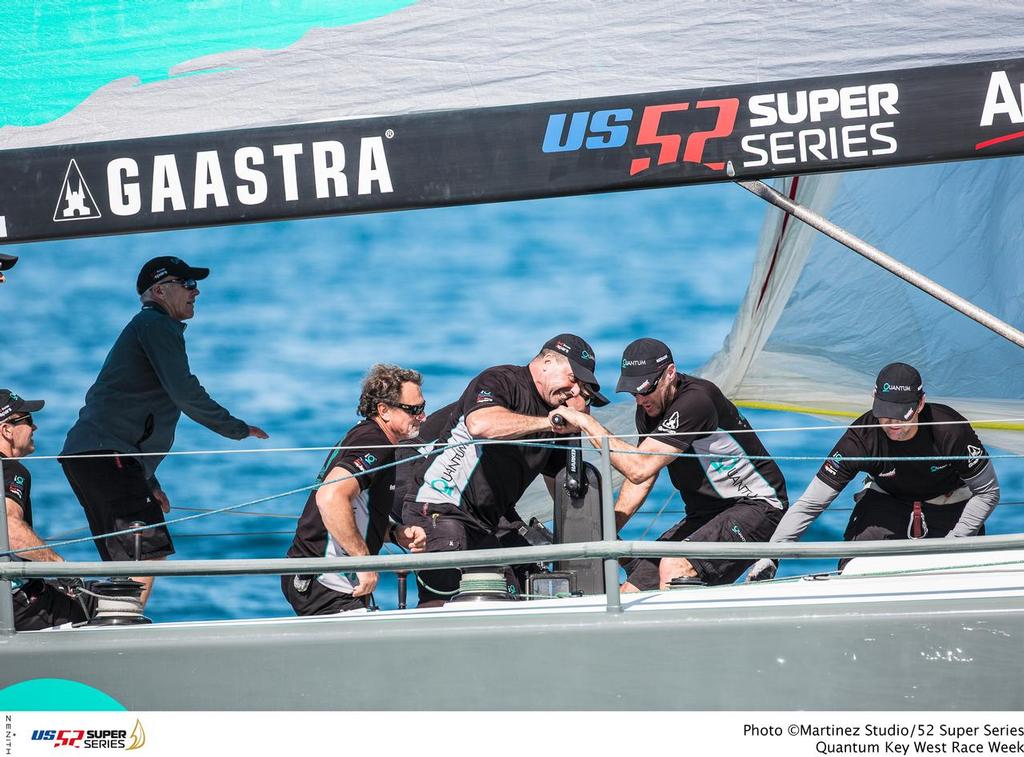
732 491
461 494
37 603
134 405
350 512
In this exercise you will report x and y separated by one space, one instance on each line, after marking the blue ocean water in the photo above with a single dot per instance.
294 313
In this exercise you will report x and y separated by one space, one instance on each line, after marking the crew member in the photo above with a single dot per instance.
731 490
901 499
462 493
349 513
37 603
6 263
142 389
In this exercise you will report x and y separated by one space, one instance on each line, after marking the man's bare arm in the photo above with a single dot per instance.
631 497
22 536
502 423
334 501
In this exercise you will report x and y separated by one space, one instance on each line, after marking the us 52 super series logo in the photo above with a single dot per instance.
774 128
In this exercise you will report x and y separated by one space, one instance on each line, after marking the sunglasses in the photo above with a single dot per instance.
24 419
188 284
410 409
651 388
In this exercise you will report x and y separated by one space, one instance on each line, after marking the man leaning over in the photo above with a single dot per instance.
732 490
461 495
902 498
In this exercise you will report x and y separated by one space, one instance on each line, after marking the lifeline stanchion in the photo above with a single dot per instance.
611 565
6 598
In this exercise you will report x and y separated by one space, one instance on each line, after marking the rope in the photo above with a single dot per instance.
276 450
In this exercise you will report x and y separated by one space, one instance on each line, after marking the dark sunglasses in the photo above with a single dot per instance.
410 409
24 419
188 284
651 388
586 392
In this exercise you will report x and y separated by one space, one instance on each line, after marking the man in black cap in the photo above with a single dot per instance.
142 389
460 495
6 263
732 491
901 499
37 603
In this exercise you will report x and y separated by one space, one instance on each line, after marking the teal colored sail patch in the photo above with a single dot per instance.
56 694
55 54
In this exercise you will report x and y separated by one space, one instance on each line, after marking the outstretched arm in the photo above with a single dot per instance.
635 463
502 423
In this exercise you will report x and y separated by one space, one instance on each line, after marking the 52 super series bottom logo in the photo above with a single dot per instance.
81 738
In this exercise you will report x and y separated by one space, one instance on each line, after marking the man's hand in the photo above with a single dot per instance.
412 538
165 504
763 570
258 432
367 583
571 418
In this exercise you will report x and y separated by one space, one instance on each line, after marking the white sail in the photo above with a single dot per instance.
819 321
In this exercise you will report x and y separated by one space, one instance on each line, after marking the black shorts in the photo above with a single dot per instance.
40 604
880 517
315 598
114 492
449 530
746 520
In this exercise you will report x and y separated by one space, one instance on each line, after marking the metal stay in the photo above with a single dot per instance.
889 263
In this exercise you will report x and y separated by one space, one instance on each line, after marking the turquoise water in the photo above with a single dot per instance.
294 313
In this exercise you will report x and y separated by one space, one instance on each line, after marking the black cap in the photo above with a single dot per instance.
7 261
581 358
11 403
643 361
164 266
898 389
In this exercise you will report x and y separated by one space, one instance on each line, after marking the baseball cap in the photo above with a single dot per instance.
643 361
164 266
898 389
581 358
11 403
7 261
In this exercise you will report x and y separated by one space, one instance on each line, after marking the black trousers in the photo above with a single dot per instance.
40 604
880 517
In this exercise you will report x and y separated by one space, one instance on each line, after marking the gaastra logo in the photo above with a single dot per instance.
671 423
75 202
562 347
246 176
975 454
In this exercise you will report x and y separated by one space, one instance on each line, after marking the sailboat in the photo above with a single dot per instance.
386 115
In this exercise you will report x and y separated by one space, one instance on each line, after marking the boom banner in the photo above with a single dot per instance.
799 126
